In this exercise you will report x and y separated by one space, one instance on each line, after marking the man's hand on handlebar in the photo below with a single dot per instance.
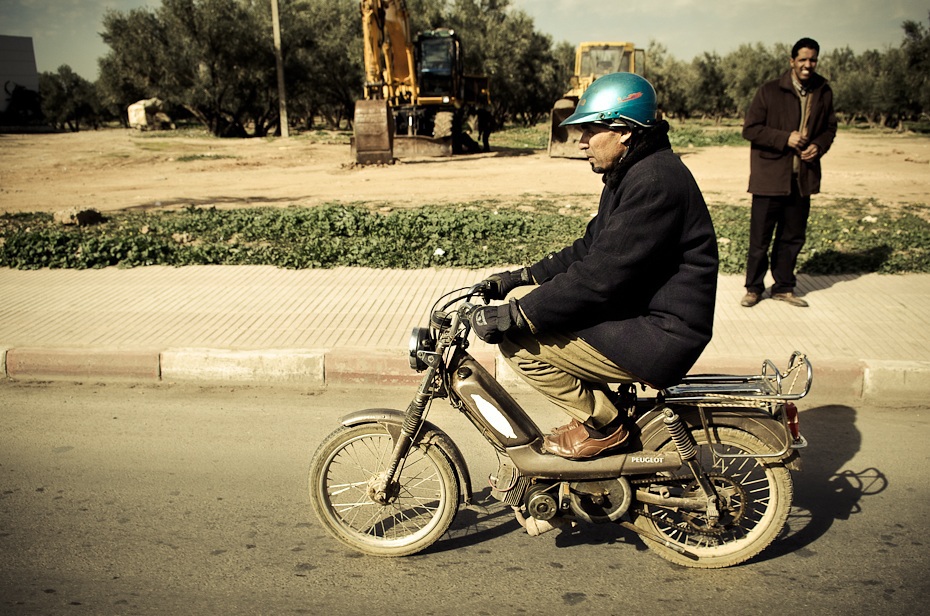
500 284
491 322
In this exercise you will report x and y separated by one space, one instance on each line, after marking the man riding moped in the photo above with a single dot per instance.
632 300
706 481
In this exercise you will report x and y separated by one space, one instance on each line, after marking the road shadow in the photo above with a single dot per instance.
491 519
486 519
825 491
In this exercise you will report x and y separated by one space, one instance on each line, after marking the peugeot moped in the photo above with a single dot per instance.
705 479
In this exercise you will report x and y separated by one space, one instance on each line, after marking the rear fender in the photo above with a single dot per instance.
757 422
393 421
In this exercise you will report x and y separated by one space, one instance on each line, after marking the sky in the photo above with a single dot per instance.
67 31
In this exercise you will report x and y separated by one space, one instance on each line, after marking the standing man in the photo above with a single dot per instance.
791 125
632 300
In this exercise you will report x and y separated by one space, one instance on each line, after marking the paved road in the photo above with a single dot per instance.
157 499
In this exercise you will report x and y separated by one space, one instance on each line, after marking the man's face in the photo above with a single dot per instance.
804 65
603 146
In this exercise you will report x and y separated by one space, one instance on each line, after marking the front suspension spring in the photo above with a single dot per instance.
414 415
679 435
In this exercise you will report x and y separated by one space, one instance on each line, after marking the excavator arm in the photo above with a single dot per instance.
388 51
390 78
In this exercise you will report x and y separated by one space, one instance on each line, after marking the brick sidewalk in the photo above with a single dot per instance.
868 333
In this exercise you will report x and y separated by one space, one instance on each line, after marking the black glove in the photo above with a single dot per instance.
499 285
490 322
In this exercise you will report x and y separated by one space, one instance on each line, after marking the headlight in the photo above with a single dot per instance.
420 340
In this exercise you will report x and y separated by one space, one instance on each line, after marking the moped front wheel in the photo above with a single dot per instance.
755 498
421 503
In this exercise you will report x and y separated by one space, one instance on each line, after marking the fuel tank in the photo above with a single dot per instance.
489 406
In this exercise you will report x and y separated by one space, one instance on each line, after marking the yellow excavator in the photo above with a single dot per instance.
416 92
592 60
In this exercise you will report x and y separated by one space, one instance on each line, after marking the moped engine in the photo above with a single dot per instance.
507 485
601 501
541 503
591 501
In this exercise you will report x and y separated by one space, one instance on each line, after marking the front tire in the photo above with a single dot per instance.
758 492
425 501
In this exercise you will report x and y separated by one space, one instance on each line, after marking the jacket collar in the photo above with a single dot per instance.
814 83
648 143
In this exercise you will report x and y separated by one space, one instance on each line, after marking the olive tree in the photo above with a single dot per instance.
68 100
916 48
669 76
707 90
213 58
750 66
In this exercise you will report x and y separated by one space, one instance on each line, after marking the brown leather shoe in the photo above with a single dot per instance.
582 442
750 299
574 423
790 298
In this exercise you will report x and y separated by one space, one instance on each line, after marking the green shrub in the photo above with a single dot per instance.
845 237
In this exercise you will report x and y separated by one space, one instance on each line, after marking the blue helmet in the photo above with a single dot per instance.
624 97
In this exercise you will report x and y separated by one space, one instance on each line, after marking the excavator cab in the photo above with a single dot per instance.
438 66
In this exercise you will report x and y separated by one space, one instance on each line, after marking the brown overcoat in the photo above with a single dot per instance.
773 114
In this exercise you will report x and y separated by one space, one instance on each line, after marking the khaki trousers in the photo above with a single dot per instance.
568 371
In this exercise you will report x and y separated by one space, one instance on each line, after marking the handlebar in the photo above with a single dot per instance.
480 289
441 316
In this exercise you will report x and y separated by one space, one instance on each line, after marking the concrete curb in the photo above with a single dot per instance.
885 382
909 380
300 367
45 364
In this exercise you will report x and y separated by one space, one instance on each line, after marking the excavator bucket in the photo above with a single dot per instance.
415 146
563 140
374 132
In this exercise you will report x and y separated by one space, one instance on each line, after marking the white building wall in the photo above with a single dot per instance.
17 65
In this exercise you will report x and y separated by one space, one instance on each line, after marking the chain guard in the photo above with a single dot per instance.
690 526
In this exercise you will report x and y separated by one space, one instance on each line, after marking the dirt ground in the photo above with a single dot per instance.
123 169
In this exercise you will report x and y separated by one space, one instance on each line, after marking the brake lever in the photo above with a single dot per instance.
468 307
481 289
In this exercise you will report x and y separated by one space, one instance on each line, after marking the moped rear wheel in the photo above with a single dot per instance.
423 501
756 493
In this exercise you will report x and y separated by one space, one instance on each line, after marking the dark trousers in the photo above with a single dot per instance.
786 216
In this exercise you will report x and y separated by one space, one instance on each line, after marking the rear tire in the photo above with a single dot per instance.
426 501
759 506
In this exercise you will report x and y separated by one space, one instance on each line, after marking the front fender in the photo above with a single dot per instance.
751 420
393 420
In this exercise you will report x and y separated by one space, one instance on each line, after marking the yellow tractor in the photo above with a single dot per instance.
417 94
592 60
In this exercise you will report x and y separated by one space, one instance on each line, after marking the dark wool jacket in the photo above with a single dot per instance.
640 285
773 114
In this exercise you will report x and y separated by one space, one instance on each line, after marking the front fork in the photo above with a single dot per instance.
381 491
686 447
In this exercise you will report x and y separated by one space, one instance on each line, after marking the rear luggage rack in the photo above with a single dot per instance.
771 391
770 385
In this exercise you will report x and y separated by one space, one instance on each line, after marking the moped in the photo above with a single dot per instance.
704 480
